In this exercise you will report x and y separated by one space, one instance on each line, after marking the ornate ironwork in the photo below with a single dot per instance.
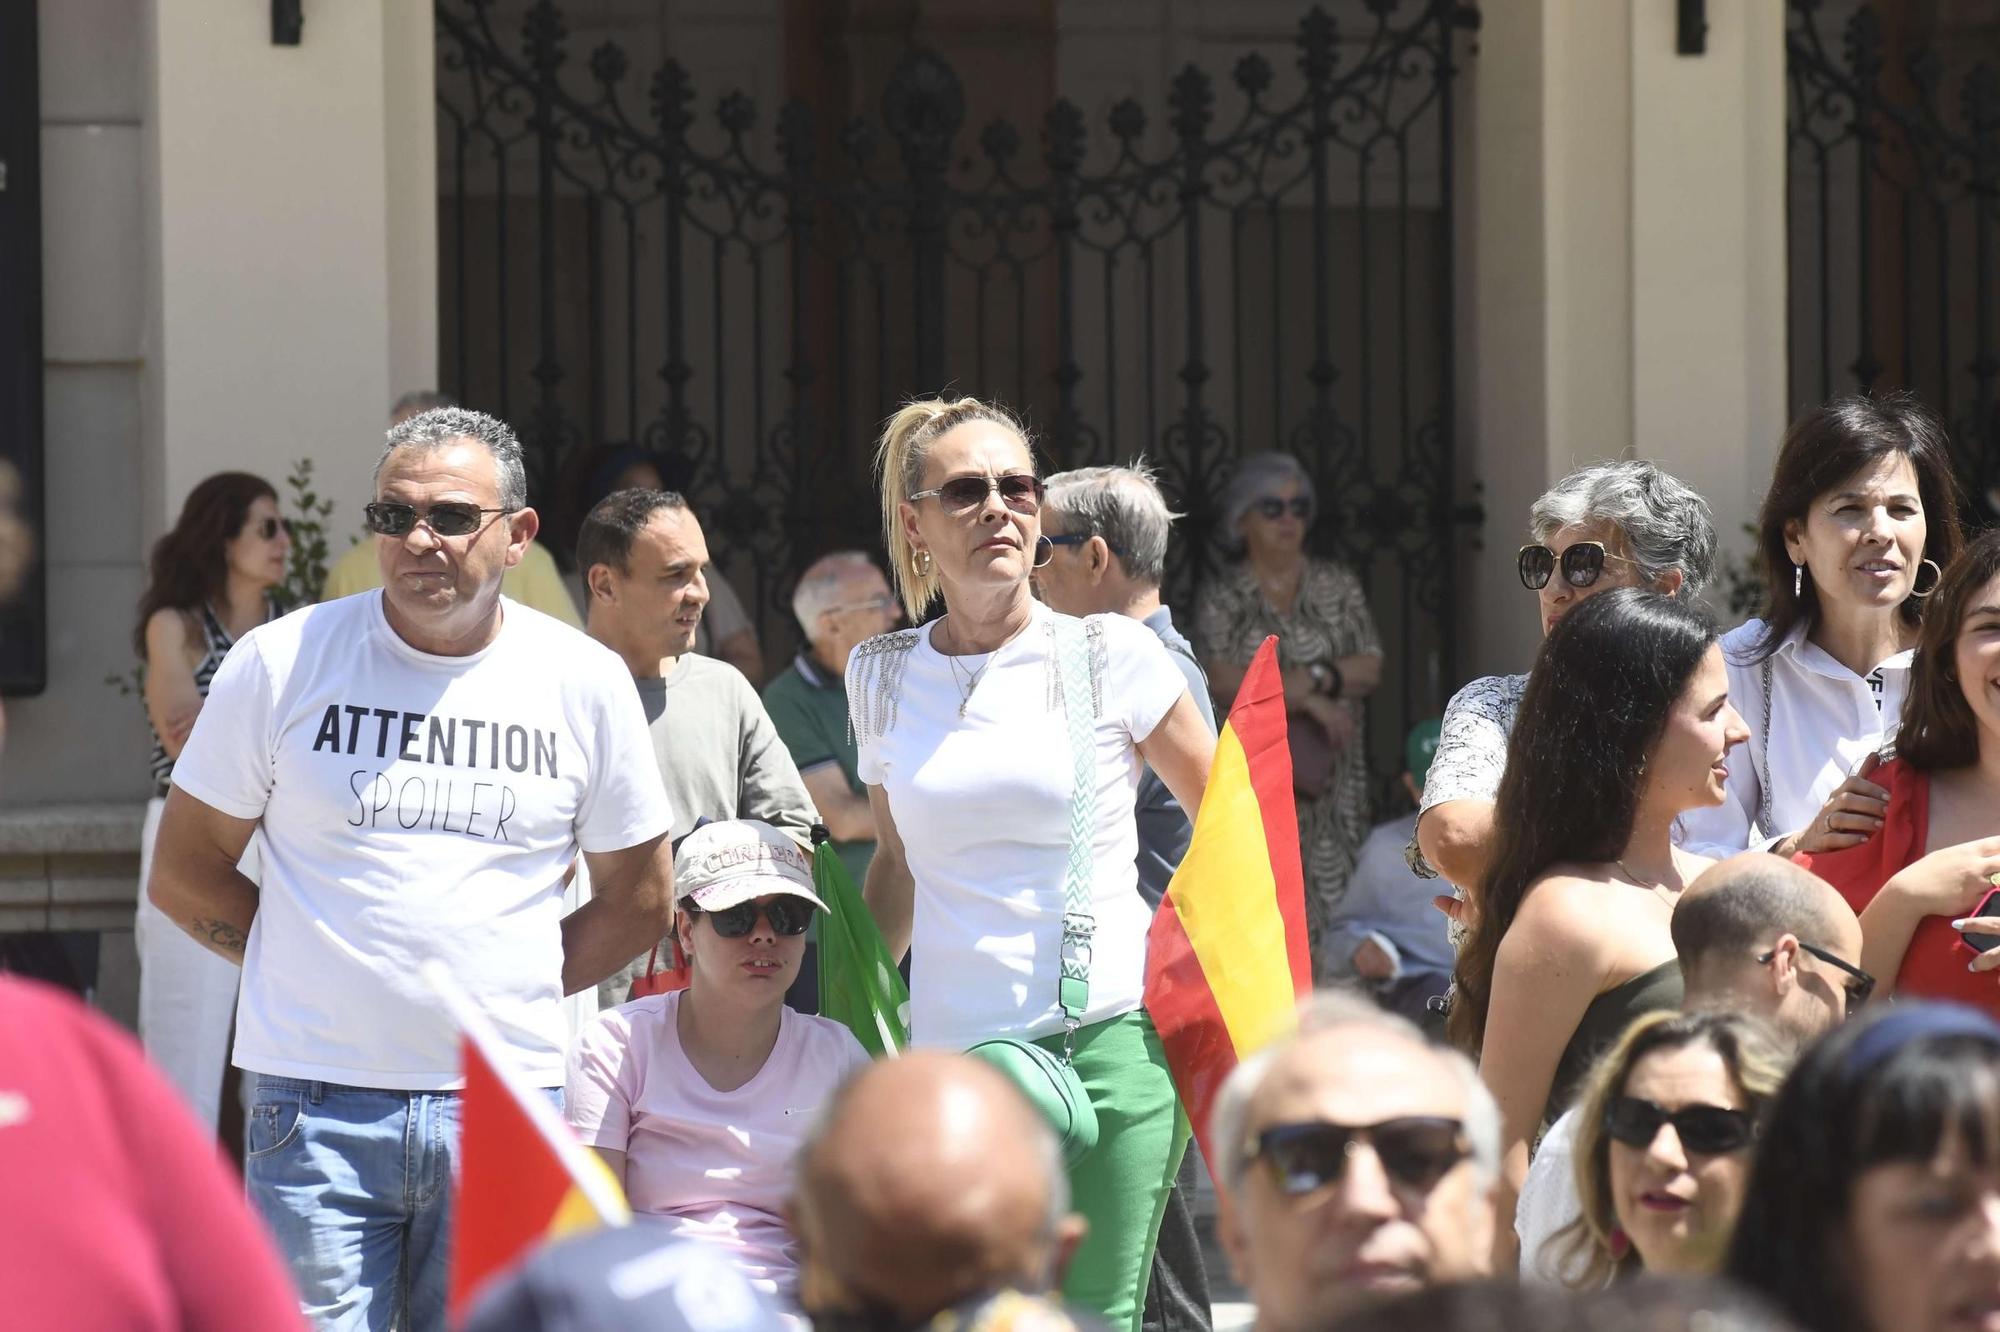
1894 141
627 267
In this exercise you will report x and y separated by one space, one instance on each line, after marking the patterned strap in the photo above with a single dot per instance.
1764 744
1073 657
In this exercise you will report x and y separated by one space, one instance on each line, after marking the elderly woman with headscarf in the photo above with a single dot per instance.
1329 651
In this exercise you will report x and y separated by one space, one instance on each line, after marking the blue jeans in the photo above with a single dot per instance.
355 1184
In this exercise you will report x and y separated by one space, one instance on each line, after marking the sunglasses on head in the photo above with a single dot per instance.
1582 564
1415 1151
1274 508
1859 985
1019 491
267 529
789 916
1706 1130
448 519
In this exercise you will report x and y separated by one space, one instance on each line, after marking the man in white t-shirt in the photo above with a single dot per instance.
420 766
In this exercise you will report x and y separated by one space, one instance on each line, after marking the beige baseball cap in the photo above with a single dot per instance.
720 865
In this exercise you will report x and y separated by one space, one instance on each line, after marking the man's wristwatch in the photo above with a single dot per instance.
1325 678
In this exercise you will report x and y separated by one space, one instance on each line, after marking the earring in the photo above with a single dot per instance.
1620 1243
1045 550
1939 578
1798 581
922 560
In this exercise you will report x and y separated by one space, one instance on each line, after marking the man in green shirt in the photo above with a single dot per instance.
842 599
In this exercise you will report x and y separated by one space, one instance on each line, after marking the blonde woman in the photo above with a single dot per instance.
972 730
1663 1145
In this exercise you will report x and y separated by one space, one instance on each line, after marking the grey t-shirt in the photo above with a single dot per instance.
720 758
1164 831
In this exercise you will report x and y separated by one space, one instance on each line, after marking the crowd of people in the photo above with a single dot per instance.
1622 1069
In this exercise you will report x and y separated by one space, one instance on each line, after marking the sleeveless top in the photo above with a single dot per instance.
216 643
1604 1022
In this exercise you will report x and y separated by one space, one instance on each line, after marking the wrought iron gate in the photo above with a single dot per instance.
1270 268
1894 139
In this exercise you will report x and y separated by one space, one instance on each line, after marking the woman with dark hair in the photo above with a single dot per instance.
1331 656
211 582
1859 524
1937 852
1874 1197
1625 725
1663 1145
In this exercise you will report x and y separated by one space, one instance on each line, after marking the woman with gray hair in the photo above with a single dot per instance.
1330 654
1611 524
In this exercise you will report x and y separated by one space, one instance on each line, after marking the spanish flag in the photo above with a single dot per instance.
523 1178
1226 960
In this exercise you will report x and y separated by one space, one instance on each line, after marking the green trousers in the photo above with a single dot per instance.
1121 1187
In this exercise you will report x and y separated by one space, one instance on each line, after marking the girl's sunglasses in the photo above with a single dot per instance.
789 916
1415 1151
1582 564
449 519
1274 508
268 528
1706 1130
1019 491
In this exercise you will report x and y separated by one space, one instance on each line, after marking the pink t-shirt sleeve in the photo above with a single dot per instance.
604 1069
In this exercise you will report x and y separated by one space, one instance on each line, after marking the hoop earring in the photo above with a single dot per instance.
1045 550
922 559
1934 582
1798 581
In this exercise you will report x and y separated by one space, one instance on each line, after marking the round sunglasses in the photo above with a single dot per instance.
789 916
1582 564
1416 1151
1019 491
1274 508
1706 1130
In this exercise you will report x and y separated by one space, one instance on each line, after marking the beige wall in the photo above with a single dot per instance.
1625 270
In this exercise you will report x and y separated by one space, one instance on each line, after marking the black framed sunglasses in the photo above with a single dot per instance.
268 529
1274 508
1706 1130
1019 491
1859 984
789 916
1582 564
1077 539
1416 1151
448 519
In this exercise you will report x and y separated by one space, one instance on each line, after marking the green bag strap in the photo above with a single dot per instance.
1073 650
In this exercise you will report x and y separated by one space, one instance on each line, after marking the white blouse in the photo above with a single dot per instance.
1812 721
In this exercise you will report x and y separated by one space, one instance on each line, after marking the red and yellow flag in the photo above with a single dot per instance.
523 1178
1227 961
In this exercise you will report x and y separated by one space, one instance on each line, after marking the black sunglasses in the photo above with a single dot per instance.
448 519
269 528
1706 1130
789 916
1077 539
1274 508
1582 564
1859 986
1415 1151
1019 491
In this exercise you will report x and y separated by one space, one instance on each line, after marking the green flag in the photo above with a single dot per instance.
858 980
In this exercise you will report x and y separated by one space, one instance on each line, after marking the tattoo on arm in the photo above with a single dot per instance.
220 935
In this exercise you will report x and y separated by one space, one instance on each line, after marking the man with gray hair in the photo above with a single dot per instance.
842 599
420 767
1358 1160
1109 528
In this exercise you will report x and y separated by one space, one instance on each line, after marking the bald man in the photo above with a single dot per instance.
928 1183
1756 935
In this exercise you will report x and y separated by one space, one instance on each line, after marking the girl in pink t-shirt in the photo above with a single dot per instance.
698 1100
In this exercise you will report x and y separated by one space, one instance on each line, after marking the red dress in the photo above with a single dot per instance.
1934 965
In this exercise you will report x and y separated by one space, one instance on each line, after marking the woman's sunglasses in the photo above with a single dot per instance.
268 528
1582 564
1274 508
789 916
1706 1130
1019 491
1415 1151
448 519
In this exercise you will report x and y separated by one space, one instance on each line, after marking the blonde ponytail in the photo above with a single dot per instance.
899 465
